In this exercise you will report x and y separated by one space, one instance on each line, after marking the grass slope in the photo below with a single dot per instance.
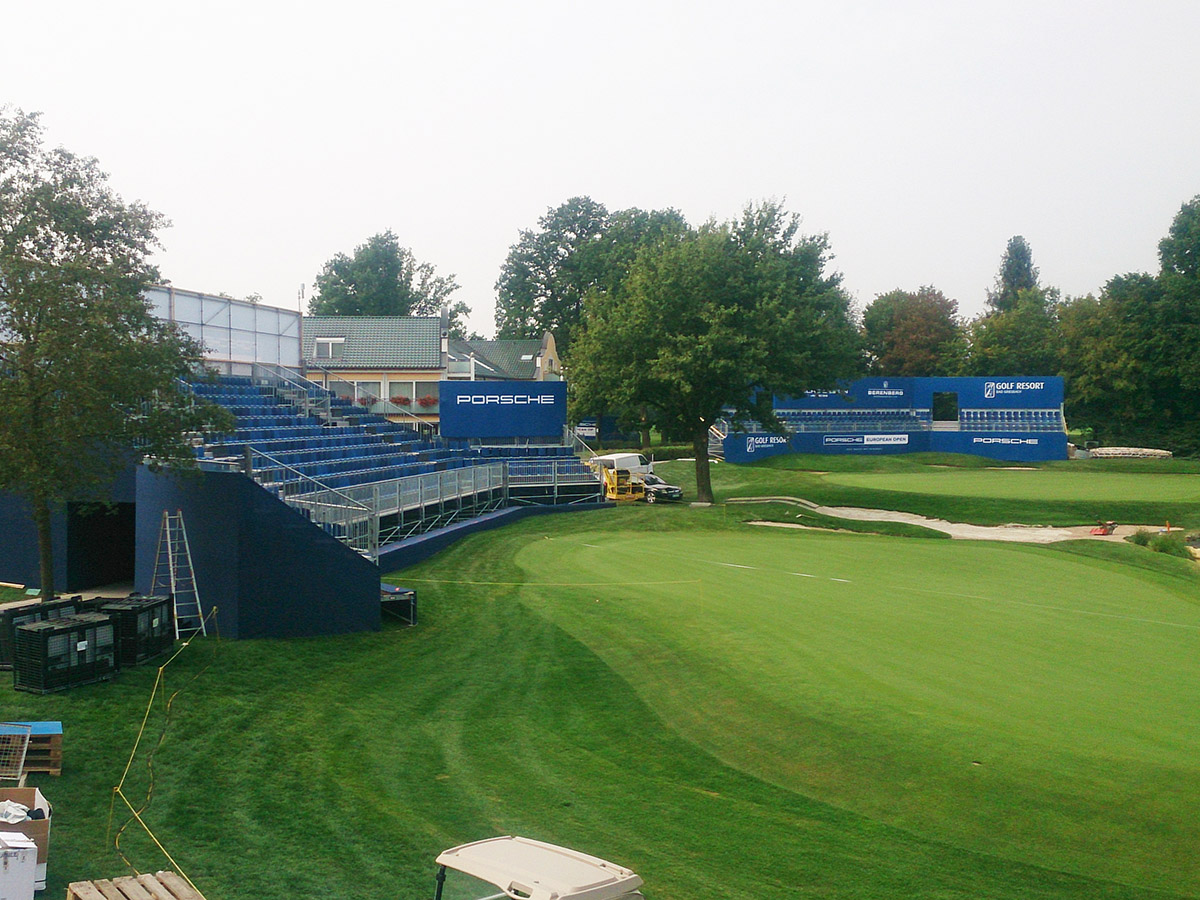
339 767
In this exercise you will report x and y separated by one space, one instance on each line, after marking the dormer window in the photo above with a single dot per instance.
329 348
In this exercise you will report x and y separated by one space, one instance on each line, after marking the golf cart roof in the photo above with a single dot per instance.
531 870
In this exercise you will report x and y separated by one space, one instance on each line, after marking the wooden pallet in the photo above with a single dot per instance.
44 754
160 886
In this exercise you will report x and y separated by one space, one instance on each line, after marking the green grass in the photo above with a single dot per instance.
8 595
880 680
614 681
971 489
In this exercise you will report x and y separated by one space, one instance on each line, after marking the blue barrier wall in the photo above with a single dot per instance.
81 536
1016 446
503 409
19 552
268 570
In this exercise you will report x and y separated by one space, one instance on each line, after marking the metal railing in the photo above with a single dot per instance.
368 516
577 444
374 404
550 472
308 397
415 492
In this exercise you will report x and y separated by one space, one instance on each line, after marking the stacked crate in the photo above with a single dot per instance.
60 653
23 612
144 627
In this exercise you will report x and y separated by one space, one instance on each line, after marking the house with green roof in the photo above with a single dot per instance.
393 364
516 360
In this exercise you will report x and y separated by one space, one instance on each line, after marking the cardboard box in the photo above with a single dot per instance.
18 878
36 829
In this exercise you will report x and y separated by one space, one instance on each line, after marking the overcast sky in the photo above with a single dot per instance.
919 135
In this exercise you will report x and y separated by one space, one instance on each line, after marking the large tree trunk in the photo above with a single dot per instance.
41 519
704 492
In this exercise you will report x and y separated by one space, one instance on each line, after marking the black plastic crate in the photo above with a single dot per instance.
145 627
23 612
60 653
96 604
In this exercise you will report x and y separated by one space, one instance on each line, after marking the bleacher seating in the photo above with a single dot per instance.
854 420
1010 420
351 447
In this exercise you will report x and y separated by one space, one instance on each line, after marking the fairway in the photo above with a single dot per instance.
1011 700
1032 484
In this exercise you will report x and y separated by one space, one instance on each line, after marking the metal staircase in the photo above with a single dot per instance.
716 441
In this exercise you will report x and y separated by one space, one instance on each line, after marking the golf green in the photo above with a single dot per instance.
1013 700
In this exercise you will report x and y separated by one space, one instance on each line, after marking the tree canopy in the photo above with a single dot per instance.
88 376
577 247
382 278
722 316
1023 339
1132 356
914 334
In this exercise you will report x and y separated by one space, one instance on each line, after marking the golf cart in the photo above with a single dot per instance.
524 869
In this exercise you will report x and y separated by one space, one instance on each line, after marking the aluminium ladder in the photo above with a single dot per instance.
173 575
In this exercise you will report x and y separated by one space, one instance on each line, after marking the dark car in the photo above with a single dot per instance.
657 489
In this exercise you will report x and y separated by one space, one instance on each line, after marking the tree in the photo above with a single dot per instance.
1132 356
1179 251
1022 339
914 334
720 317
382 279
545 277
1017 273
88 376
578 247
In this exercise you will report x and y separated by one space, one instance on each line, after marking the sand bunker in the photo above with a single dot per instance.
1034 534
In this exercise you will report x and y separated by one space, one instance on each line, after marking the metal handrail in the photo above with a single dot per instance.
579 446
282 379
390 408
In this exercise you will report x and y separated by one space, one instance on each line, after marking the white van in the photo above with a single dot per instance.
634 463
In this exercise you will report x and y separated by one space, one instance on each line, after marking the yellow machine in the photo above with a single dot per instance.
621 485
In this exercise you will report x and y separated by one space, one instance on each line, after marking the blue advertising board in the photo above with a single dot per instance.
1015 446
1008 392
874 393
503 409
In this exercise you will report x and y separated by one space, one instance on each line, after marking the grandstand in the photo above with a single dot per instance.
368 481
1016 418
300 506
